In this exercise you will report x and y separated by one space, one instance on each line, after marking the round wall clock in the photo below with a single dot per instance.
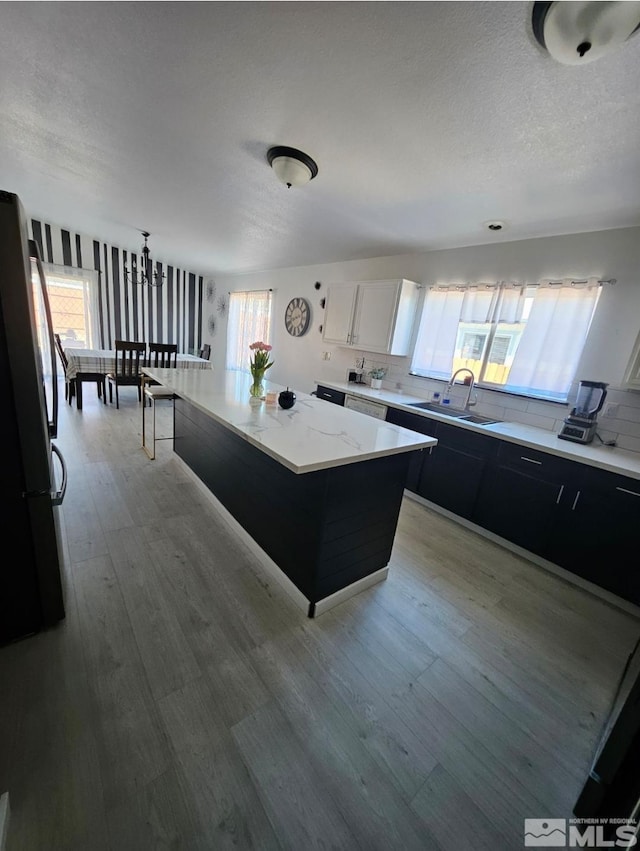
297 316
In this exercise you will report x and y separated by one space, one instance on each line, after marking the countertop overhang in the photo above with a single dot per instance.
604 457
310 436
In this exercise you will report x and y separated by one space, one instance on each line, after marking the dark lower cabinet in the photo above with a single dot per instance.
449 473
596 532
582 518
331 395
452 475
423 425
521 494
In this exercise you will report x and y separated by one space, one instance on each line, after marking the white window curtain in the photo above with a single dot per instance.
551 345
73 296
444 310
249 322
533 336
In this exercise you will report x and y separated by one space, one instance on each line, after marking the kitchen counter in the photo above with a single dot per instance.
310 436
596 455
317 487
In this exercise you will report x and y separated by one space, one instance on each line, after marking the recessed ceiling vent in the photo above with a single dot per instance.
495 225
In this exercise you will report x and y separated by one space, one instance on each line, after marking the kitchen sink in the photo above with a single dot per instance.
438 409
455 413
478 419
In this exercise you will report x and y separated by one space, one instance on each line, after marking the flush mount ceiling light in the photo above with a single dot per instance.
578 32
292 167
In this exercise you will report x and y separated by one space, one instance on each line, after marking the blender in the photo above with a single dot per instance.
580 425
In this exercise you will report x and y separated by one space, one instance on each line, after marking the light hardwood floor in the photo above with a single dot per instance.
185 703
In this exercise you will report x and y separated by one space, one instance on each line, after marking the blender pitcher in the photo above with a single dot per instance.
590 399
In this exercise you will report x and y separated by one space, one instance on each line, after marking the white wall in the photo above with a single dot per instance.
299 362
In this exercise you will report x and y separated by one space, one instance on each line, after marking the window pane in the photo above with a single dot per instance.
249 322
526 340
72 296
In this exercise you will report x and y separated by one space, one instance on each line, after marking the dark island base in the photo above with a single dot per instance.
325 530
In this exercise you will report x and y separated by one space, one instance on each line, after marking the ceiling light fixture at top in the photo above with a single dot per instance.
146 277
292 167
575 33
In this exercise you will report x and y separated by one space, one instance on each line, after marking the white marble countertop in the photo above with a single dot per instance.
605 457
310 436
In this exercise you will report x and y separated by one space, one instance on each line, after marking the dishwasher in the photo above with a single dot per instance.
364 406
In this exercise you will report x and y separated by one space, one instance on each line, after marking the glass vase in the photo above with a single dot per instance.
257 387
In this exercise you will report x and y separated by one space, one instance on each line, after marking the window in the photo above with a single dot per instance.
522 339
249 321
73 300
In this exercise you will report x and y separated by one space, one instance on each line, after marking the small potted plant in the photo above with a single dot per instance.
377 374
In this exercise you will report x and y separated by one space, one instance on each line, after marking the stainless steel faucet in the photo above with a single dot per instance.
468 403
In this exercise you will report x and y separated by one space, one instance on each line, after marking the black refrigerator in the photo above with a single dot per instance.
33 470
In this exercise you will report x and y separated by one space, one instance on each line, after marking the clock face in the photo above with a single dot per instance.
297 316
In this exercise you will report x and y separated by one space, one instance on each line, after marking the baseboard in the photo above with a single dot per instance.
560 572
4 820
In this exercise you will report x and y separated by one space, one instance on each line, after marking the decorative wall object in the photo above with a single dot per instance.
211 290
222 305
211 325
297 317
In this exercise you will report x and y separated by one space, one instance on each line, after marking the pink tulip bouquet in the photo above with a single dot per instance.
260 361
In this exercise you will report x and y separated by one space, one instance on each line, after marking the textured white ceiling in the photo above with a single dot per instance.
426 120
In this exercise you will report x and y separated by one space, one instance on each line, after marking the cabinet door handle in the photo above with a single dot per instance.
559 494
348 338
354 338
624 490
575 501
530 460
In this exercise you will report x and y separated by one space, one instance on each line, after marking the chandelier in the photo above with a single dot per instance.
144 277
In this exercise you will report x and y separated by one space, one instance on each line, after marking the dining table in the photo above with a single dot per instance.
87 364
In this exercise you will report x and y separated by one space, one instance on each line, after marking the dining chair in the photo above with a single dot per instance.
162 355
71 385
129 358
205 352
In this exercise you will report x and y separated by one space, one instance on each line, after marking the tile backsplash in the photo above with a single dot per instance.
624 428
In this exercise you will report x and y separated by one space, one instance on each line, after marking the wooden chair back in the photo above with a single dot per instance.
163 355
64 360
129 355
205 351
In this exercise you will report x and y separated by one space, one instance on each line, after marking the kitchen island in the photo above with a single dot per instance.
317 487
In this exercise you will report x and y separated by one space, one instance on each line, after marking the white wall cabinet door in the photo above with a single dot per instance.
338 314
373 316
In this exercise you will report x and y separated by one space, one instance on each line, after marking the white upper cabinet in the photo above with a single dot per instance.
374 316
632 375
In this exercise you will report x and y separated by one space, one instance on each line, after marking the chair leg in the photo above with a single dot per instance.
111 392
117 397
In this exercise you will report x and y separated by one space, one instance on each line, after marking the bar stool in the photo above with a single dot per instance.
153 392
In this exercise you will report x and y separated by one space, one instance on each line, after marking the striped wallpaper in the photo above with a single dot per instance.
168 314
